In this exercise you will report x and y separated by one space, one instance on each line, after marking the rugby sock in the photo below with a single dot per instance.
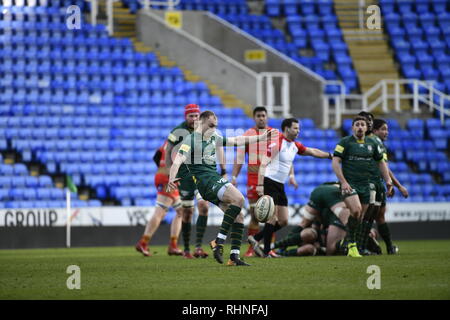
200 230
228 219
364 236
173 242
383 229
260 234
237 230
341 246
293 238
352 225
145 239
269 229
186 231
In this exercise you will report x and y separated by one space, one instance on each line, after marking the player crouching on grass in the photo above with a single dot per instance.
273 173
355 153
198 155
326 206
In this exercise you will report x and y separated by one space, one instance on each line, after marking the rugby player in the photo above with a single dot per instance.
355 154
187 188
255 153
164 200
326 206
272 175
197 156
381 132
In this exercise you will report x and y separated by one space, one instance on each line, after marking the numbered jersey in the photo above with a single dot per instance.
201 154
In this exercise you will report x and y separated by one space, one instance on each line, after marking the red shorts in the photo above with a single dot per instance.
161 181
252 182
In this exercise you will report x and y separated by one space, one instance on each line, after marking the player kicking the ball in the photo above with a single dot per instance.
188 190
272 175
197 155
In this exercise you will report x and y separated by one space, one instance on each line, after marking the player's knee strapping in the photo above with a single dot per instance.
305 214
187 204
162 206
177 205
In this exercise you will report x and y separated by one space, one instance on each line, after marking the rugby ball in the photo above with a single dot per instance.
264 208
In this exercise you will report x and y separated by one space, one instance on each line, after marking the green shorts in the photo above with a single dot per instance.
324 196
187 188
330 219
362 190
381 192
211 187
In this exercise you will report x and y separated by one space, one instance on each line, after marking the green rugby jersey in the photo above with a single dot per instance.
375 171
201 154
175 137
357 157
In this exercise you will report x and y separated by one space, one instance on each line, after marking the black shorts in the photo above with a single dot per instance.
276 191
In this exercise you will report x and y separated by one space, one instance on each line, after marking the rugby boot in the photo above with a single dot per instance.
353 250
142 247
174 251
200 253
250 252
217 251
187 255
236 261
392 249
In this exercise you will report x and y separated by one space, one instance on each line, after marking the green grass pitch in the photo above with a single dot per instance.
420 271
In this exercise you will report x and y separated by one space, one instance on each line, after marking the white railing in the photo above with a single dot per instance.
267 96
171 4
386 95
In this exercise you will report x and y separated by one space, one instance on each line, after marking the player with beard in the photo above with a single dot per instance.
352 161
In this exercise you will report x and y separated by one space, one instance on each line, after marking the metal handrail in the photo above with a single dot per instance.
383 99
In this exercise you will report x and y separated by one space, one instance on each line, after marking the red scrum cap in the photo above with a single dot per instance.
191 108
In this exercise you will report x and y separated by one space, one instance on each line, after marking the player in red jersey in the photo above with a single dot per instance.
164 200
255 153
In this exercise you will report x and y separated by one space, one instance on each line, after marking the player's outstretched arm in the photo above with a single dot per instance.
246 140
179 159
317 153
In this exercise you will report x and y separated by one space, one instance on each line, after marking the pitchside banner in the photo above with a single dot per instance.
138 216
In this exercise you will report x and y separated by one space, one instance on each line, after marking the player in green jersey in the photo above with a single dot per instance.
326 206
377 190
197 156
355 153
381 132
187 188
377 207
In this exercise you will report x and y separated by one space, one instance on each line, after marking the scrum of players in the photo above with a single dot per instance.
337 220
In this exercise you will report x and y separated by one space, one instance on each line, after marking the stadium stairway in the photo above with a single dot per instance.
125 26
370 52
